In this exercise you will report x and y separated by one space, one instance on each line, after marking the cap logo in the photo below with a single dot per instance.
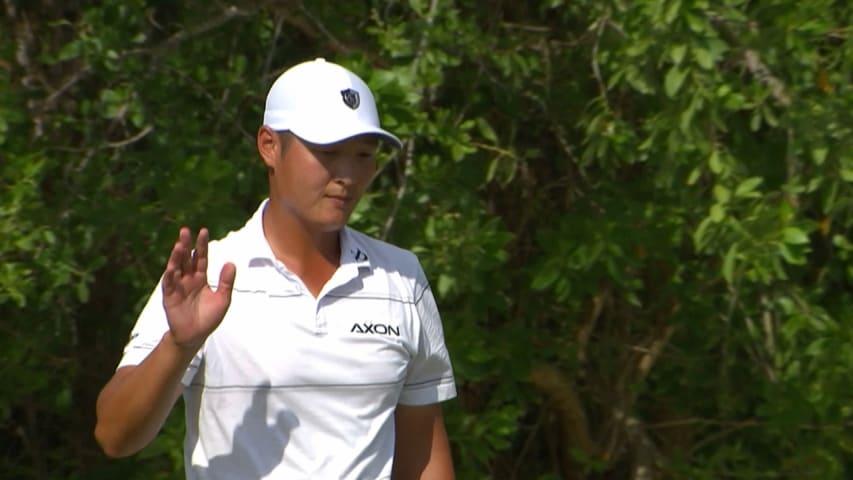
350 98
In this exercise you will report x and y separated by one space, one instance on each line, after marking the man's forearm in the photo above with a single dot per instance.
134 404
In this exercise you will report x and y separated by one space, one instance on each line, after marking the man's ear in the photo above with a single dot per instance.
269 146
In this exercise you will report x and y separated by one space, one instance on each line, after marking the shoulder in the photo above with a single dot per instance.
225 246
386 256
241 245
393 269
234 248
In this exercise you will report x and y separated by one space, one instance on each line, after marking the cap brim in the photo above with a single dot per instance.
321 135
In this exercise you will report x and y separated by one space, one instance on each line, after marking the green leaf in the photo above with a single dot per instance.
715 163
70 50
734 101
703 57
672 11
746 188
819 155
755 121
694 176
674 80
445 284
791 256
696 23
82 291
699 234
722 194
841 242
677 53
718 212
486 130
794 236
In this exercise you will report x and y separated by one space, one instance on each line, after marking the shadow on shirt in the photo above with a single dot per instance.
258 444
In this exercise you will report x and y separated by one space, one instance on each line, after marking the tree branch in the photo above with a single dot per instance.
562 395
333 40
230 13
752 60
602 86
133 139
407 159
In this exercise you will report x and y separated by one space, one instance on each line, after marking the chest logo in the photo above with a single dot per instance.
375 328
359 255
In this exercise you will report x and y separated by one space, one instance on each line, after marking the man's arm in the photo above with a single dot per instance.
137 400
422 450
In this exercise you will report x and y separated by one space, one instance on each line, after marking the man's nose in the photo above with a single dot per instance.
344 170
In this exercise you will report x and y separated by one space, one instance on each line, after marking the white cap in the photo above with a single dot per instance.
322 102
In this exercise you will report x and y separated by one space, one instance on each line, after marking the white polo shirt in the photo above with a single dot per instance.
290 386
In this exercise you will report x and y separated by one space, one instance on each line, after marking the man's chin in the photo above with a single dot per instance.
333 224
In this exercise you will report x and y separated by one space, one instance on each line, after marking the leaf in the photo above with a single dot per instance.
841 242
687 114
445 284
718 212
694 176
70 50
699 234
722 194
672 12
492 170
734 101
703 58
696 23
791 256
714 162
747 187
794 236
819 155
673 81
677 53
486 130
755 121
82 290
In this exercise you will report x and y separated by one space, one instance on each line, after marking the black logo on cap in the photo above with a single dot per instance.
350 98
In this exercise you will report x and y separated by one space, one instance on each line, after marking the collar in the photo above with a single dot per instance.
257 250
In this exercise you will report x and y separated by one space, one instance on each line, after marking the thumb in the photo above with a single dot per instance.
226 281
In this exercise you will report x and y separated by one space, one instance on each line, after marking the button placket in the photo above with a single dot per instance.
320 318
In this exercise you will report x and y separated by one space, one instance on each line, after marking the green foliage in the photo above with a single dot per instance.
653 198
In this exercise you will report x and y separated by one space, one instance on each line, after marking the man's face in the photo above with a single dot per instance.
321 184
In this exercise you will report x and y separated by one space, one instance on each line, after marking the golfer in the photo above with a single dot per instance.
302 348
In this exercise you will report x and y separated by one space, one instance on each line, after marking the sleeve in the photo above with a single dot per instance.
147 333
430 374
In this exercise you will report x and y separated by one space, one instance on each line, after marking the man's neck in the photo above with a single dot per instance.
297 244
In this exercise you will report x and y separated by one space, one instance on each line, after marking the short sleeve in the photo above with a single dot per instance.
430 374
147 333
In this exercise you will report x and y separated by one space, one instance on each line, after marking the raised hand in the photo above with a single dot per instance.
193 309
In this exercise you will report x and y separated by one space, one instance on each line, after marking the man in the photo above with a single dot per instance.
319 352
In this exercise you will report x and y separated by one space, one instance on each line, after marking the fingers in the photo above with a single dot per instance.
199 260
226 281
185 241
174 266
183 260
